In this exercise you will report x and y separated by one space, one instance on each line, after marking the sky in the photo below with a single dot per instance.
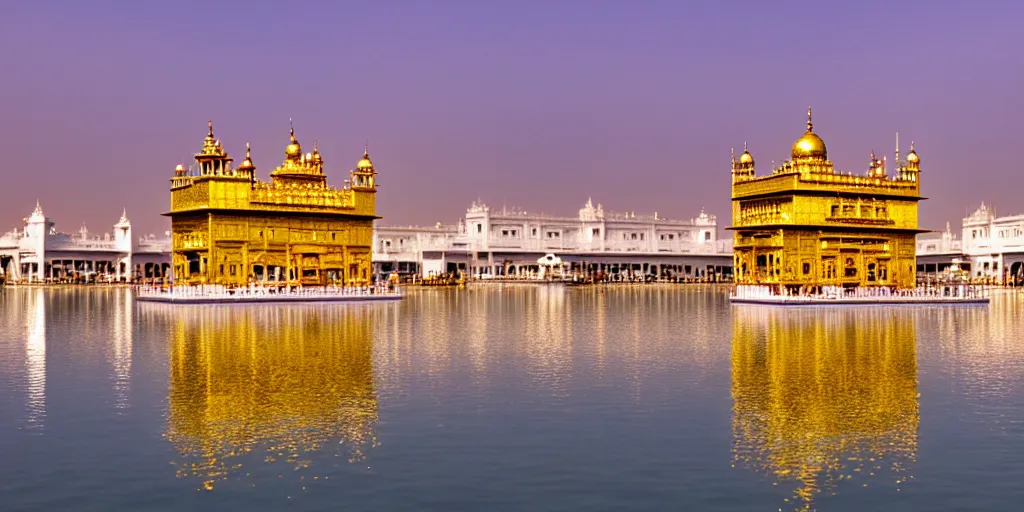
534 104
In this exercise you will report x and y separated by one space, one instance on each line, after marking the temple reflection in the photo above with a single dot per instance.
259 385
822 396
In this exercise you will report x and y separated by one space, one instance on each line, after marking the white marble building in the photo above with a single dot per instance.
506 242
37 252
991 247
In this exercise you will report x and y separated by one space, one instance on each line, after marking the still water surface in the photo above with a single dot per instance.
514 398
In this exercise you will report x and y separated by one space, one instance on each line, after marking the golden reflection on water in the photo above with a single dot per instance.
258 385
824 395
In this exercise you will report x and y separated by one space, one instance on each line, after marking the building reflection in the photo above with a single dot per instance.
123 330
35 357
822 396
261 385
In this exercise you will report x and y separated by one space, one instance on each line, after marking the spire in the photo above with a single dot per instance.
810 126
732 155
366 147
744 146
897 148
210 124
912 146
248 155
291 129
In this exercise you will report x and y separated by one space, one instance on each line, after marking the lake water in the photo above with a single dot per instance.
508 398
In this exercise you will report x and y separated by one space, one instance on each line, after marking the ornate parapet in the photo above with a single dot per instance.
299 196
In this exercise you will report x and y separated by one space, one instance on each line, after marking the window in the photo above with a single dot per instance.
334 236
261 233
504 232
835 210
596 232
479 228
880 212
222 269
641 236
234 269
807 268
533 232
634 236
271 233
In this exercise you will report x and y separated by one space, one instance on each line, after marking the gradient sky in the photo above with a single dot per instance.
533 104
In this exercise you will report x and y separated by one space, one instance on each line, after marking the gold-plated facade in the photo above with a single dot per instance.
822 397
808 225
230 228
265 386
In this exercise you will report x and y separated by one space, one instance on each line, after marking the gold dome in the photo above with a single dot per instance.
746 157
912 156
810 145
364 163
317 159
293 150
247 164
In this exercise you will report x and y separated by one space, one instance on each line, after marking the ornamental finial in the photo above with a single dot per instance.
810 126
210 124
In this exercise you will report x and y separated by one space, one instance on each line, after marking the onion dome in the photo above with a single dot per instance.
247 164
293 151
809 145
912 157
746 157
317 159
364 163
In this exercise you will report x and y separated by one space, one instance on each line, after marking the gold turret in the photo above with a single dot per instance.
363 175
743 169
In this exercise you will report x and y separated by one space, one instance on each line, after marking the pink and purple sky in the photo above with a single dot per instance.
534 104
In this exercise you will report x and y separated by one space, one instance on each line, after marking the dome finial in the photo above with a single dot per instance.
810 126
210 124
291 129
911 145
247 149
366 147
744 146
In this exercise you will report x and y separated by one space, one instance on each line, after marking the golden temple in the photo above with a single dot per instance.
808 225
230 228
